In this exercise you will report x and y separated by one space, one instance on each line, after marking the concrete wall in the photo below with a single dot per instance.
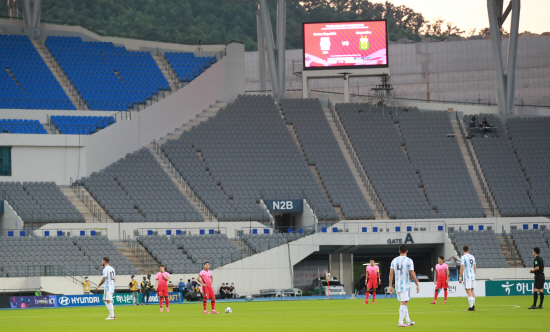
9 220
447 71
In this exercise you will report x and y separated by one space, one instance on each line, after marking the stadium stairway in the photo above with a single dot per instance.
138 256
477 181
347 149
315 171
83 208
58 74
508 255
167 71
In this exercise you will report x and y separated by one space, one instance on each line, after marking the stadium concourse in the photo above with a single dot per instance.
153 153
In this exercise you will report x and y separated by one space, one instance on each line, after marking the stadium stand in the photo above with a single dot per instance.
242 155
107 77
438 161
81 125
28 83
40 202
187 66
263 242
531 142
136 189
187 253
321 149
20 126
483 244
502 171
31 256
378 144
527 239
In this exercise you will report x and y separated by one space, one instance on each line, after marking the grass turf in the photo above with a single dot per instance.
492 313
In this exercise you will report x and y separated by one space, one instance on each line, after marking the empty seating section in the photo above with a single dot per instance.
187 253
40 202
527 239
242 155
378 144
107 77
483 244
30 256
321 149
263 242
137 189
81 125
187 66
440 164
503 172
531 141
20 126
28 83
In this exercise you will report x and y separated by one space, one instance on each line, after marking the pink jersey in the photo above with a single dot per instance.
441 271
372 271
206 277
163 283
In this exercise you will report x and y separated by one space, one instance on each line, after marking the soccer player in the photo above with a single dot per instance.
205 279
468 270
109 278
538 271
441 279
373 279
403 269
161 286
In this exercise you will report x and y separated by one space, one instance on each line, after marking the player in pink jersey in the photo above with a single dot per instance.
441 279
205 278
161 286
373 279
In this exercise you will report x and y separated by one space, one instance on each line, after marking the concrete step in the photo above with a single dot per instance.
79 201
147 265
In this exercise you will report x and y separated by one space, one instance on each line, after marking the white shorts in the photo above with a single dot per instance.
403 296
107 296
469 283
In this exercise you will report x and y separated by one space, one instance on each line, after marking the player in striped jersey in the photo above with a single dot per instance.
109 278
403 269
468 276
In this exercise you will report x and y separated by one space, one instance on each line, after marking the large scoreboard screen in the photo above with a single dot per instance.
331 45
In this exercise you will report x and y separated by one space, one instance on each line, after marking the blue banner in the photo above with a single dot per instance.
24 302
284 205
64 301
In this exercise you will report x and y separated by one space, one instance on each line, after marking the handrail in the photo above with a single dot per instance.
96 211
509 245
357 162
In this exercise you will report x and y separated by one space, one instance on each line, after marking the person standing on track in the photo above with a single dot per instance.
205 279
538 271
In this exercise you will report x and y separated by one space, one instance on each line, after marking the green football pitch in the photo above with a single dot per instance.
492 313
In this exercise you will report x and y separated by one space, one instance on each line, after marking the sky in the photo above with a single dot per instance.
468 14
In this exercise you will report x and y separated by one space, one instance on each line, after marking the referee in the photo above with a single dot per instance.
539 279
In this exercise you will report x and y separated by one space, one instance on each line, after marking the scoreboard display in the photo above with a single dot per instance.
332 45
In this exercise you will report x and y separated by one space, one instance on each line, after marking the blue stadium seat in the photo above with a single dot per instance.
187 66
20 126
81 125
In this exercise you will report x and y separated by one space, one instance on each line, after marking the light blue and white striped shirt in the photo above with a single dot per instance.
109 274
468 261
402 266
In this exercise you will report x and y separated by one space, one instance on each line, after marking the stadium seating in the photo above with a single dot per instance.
20 126
40 202
31 84
531 142
187 253
242 155
321 149
483 244
378 144
502 171
107 77
137 189
30 256
263 242
187 66
439 162
527 239
81 125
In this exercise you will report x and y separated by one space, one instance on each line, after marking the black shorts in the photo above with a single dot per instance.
539 281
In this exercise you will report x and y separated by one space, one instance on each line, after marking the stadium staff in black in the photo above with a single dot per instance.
538 288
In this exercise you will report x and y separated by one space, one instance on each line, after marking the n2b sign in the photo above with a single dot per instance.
284 205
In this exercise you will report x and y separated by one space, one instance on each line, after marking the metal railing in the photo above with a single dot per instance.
388 226
357 162
480 178
511 247
88 200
